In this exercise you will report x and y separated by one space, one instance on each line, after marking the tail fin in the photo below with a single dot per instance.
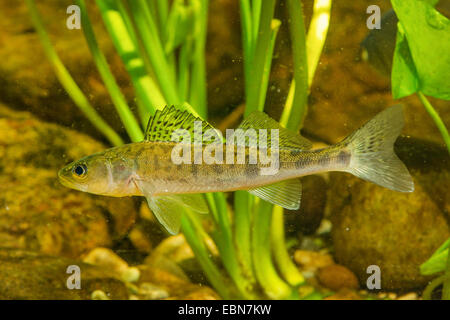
372 151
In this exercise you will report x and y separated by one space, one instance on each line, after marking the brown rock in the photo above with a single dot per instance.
177 287
307 219
311 260
27 79
395 231
30 275
107 259
38 213
336 277
345 294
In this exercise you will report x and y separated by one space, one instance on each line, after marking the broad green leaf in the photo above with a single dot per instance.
404 75
427 34
438 261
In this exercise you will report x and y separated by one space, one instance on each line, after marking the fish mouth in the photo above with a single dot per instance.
63 179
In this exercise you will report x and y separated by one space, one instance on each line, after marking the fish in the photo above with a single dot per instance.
148 168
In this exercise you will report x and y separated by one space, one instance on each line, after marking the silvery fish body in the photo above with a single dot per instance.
151 168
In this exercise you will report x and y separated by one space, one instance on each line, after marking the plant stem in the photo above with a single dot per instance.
197 96
67 81
247 40
256 10
147 91
148 31
298 40
446 285
224 241
287 269
258 65
265 271
267 65
162 7
426 295
193 230
125 114
436 118
184 70
317 34
242 228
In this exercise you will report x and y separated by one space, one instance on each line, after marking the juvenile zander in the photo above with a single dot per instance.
147 169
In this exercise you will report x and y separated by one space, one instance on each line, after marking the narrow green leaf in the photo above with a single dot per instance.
180 25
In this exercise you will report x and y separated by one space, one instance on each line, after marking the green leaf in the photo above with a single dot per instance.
428 39
404 74
180 25
437 262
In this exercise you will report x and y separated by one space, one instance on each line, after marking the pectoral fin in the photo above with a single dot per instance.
286 194
167 211
168 208
195 201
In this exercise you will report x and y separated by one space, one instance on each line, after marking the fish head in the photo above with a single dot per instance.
90 174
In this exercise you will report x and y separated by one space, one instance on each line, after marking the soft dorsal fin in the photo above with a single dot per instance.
287 138
286 194
165 122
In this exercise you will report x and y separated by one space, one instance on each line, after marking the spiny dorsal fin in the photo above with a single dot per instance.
165 122
287 139
286 194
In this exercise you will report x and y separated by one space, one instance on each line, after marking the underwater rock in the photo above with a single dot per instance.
395 231
175 255
347 92
336 277
311 260
36 212
345 294
307 219
104 257
176 287
30 275
27 79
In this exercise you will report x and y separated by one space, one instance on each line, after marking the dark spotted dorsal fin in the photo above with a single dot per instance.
287 138
165 122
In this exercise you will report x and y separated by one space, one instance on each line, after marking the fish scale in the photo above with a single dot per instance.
147 168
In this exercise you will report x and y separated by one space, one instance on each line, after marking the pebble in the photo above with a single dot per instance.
409 296
311 260
131 274
99 295
152 292
106 258
336 277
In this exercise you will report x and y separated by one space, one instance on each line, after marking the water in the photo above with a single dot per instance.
348 233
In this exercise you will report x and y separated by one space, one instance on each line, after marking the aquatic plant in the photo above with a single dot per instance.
162 47
418 67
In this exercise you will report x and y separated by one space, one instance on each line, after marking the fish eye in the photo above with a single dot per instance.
80 170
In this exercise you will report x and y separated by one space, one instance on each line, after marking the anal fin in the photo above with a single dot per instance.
286 194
